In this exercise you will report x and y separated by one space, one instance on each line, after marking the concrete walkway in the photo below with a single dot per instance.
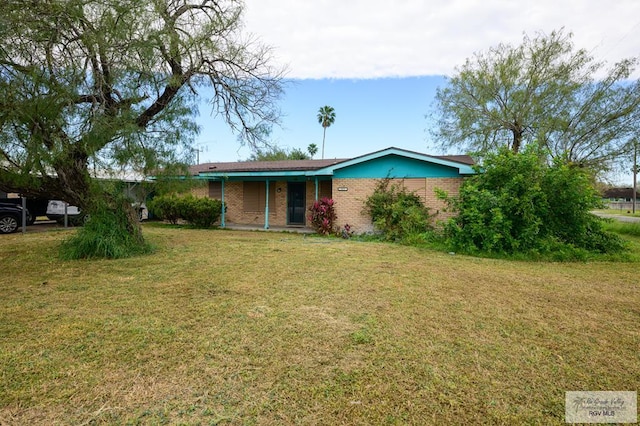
292 229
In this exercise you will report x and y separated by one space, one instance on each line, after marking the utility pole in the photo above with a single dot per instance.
635 174
201 148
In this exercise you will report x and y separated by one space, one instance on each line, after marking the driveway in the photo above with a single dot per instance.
618 217
41 226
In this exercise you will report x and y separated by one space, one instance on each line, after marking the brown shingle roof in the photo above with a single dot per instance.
464 159
619 193
264 166
298 165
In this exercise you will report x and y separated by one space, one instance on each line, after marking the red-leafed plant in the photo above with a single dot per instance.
323 216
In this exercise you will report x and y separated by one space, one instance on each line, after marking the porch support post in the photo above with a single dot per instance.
316 188
266 207
222 225
24 214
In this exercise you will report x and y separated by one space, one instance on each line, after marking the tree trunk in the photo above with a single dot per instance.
324 133
79 189
132 226
517 138
74 181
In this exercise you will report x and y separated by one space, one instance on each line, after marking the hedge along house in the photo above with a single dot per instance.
280 193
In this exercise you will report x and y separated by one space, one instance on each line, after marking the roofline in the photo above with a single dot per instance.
266 174
259 166
463 168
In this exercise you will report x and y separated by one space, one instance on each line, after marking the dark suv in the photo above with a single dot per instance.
10 218
35 206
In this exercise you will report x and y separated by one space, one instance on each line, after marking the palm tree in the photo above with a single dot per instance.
312 149
326 117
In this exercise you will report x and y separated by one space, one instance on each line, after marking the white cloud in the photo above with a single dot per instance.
382 38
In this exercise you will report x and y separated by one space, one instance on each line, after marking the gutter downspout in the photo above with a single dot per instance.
316 188
266 207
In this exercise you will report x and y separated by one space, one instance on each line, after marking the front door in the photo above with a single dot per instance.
296 203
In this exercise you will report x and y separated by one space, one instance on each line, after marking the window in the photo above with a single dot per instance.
254 199
215 190
324 189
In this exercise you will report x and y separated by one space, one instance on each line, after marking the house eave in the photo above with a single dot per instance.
293 170
265 174
463 169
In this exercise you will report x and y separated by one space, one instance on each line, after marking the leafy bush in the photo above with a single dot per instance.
200 212
166 207
396 212
521 204
111 233
323 216
346 232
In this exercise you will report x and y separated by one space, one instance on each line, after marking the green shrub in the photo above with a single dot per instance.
199 212
346 232
166 207
519 203
396 212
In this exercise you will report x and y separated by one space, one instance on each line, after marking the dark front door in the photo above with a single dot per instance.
296 203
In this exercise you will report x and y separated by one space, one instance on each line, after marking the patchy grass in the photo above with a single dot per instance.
623 228
263 328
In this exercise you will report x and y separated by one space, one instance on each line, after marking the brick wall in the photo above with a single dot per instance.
349 203
200 191
234 199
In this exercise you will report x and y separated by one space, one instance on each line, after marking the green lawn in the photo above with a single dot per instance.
223 327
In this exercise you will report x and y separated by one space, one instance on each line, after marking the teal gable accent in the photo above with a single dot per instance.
396 166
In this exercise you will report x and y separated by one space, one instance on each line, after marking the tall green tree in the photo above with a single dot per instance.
543 90
276 153
90 85
326 117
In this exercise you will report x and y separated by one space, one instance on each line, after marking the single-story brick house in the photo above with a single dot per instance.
280 193
619 198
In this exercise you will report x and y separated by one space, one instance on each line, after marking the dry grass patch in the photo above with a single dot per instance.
258 328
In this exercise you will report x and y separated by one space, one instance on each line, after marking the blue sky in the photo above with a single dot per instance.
371 114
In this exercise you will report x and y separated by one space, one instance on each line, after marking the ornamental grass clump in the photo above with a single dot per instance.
107 234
